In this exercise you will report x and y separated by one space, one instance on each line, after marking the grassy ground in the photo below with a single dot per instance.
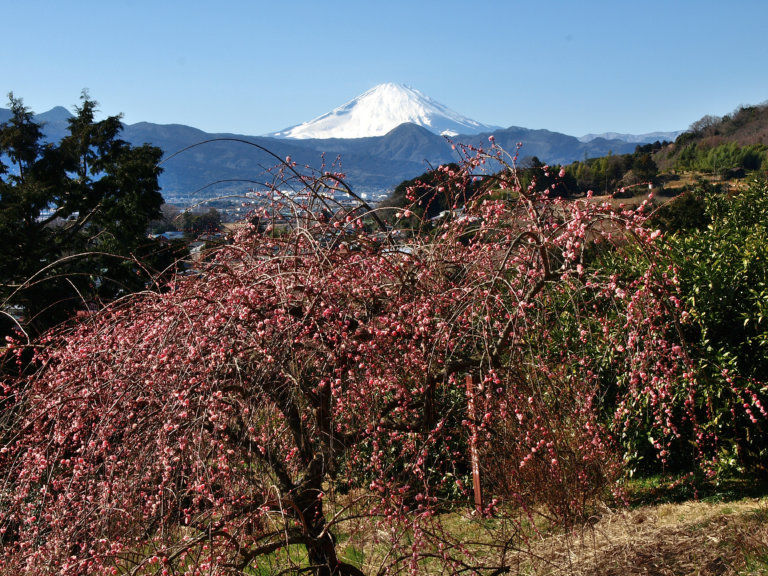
722 531
665 528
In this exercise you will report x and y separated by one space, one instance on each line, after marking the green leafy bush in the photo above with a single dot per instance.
724 287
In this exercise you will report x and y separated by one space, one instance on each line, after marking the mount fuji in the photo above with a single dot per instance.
382 109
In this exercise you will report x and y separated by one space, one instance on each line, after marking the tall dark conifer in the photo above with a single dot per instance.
63 206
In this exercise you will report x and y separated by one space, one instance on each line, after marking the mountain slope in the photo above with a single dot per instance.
549 147
381 109
55 121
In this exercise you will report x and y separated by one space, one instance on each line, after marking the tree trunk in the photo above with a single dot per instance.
321 549
322 556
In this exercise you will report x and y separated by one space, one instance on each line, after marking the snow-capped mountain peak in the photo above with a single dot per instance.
381 109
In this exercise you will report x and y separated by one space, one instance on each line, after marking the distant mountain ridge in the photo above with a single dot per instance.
372 165
634 138
233 163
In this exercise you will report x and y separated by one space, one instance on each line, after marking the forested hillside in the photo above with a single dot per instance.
726 146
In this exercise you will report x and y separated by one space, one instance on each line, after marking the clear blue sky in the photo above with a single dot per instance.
253 67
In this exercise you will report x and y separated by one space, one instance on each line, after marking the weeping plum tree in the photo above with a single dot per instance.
311 384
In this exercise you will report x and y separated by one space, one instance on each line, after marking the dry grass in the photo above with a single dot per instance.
692 538
687 180
672 187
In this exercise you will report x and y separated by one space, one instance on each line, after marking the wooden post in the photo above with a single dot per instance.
473 442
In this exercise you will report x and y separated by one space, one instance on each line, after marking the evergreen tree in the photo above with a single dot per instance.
73 215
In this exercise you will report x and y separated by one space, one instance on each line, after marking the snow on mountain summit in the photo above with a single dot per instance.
381 109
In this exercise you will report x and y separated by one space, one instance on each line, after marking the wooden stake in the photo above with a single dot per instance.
473 442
